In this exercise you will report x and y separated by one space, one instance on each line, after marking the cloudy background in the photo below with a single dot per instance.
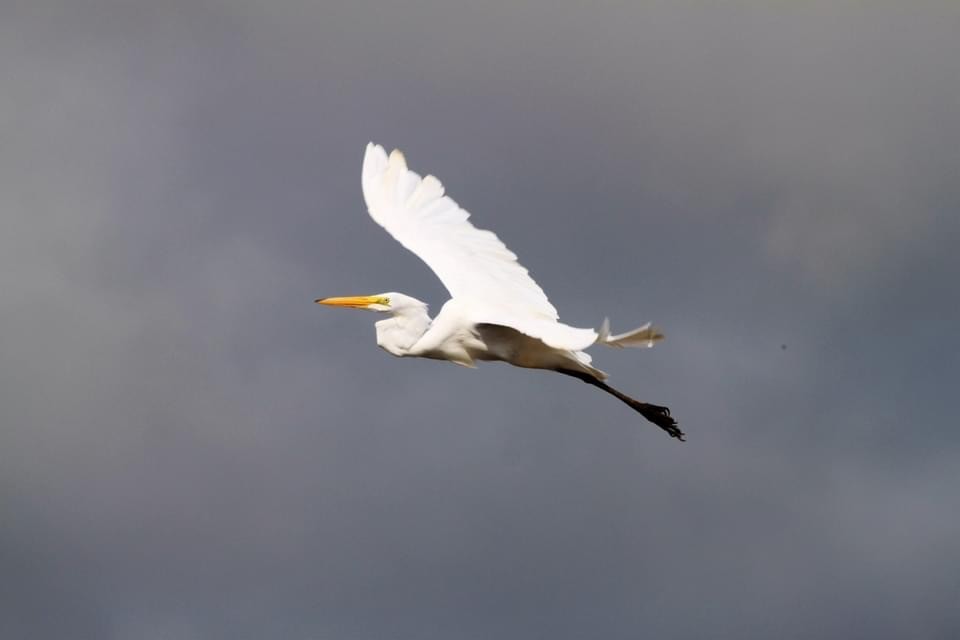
190 449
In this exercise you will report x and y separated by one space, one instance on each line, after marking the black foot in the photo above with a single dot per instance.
660 416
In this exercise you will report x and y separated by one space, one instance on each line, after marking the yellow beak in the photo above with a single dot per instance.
353 302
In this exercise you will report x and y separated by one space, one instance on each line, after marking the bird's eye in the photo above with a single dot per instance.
385 301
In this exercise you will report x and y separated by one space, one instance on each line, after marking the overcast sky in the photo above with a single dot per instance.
189 448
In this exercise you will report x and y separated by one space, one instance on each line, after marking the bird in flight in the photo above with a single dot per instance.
496 310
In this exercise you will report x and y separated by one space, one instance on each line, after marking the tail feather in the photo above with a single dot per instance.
645 336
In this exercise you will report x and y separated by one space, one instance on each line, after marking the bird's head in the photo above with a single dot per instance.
384 302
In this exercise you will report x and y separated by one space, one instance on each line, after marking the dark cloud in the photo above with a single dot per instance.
190 449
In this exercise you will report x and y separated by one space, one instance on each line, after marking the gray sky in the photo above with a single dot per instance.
190 449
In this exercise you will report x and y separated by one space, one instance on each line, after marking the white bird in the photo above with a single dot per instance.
496 310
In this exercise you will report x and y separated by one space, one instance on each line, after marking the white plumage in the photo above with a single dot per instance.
496 311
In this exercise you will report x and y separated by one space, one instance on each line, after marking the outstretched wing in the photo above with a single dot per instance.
473 264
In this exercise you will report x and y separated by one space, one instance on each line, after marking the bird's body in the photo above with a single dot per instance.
496 313
457 336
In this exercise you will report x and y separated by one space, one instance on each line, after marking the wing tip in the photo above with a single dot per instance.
377 152
644 336
377 165
374 158
397 159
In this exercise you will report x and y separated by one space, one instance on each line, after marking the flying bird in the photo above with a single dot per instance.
496 310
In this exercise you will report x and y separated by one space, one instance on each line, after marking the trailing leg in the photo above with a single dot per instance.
656 414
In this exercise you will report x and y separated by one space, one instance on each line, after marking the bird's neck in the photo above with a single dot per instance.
398 333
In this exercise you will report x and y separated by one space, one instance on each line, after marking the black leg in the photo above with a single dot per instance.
656 414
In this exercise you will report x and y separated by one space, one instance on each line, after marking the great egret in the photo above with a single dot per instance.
496 310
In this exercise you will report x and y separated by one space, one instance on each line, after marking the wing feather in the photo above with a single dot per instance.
472 263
